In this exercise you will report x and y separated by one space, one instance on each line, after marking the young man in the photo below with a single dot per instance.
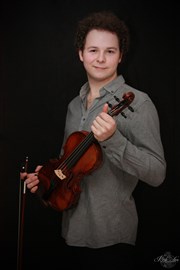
102 227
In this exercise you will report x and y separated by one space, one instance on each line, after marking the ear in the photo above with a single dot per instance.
120 58
81 55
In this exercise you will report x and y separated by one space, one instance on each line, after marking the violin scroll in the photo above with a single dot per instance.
127 99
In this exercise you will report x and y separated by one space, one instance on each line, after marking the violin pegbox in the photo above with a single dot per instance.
127 99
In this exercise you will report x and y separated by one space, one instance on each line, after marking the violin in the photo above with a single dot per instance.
60 178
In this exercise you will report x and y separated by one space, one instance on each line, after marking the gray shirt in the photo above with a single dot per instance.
106 211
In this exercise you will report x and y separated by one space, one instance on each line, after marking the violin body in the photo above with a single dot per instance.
62 192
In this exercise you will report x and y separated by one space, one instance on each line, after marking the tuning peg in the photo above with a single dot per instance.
117 99
109 104
123 114
130 108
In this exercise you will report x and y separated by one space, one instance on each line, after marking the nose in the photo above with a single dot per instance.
101 57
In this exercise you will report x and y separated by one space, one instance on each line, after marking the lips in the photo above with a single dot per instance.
100 67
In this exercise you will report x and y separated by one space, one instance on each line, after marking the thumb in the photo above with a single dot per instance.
105 108
38 168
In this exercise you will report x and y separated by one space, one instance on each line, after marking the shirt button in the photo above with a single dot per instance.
104 146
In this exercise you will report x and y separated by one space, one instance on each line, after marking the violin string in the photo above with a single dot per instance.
77 151
81 150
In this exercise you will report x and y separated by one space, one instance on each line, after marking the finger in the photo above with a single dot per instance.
32 184
23 175
31 178
38 168
34 189
105 108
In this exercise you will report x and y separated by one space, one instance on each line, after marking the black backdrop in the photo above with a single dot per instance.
40 74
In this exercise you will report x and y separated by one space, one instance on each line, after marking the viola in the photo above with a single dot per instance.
60 178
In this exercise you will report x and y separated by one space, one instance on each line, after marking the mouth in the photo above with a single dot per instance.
100 68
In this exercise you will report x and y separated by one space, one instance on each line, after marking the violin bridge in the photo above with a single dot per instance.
60 174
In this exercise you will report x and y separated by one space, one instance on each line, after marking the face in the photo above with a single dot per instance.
101 55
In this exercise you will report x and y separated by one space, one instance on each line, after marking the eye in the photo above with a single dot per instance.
111 51
92 50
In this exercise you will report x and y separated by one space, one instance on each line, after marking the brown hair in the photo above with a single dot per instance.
104 20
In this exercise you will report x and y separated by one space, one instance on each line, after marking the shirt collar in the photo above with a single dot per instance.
110 87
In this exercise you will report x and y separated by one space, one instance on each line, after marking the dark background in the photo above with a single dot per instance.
40 74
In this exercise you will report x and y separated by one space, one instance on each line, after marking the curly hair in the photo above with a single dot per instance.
104 20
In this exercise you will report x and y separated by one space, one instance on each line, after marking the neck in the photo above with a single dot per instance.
96 85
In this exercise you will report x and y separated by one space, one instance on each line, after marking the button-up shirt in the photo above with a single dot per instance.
106 211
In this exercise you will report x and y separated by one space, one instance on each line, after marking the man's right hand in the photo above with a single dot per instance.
31 179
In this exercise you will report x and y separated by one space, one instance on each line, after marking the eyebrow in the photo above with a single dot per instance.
109 48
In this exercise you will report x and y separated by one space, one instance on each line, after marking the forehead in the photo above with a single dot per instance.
101 38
